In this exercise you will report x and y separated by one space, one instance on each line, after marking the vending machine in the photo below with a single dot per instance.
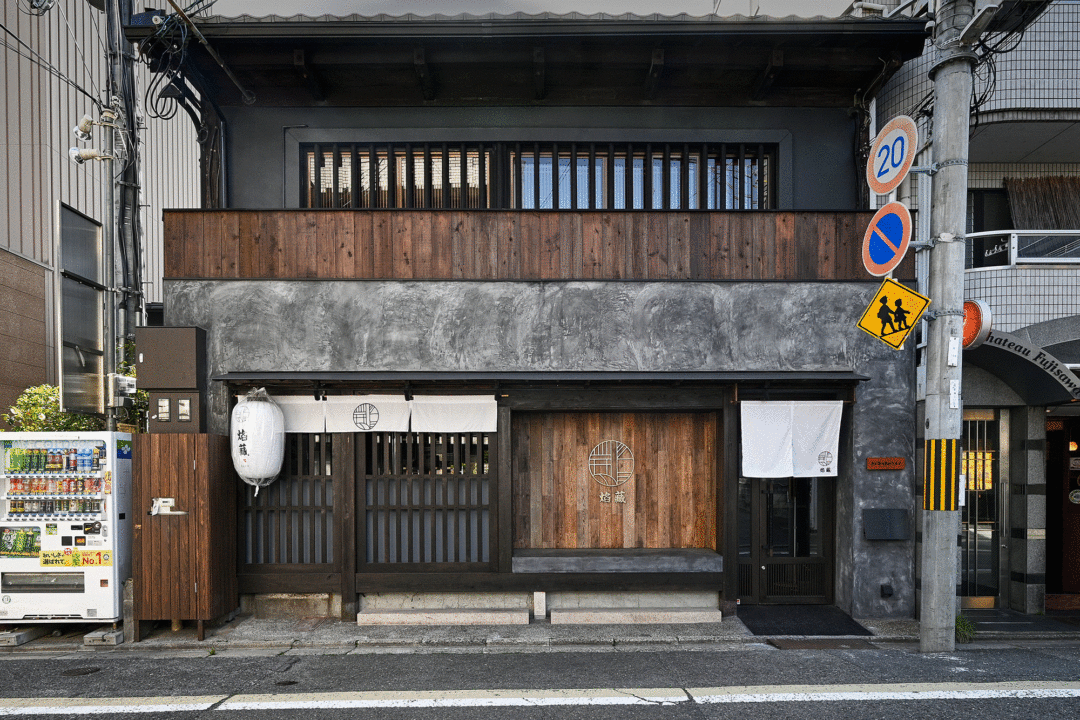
65 526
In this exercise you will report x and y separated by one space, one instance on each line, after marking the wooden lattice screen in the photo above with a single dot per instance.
428 501
291 521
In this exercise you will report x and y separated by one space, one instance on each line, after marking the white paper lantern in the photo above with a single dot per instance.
258 439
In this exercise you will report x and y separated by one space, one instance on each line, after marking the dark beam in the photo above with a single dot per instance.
656 67
765 80
307 73
539 73
423 74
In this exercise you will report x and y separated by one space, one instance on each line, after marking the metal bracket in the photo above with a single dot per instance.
934 168
935 314
941 238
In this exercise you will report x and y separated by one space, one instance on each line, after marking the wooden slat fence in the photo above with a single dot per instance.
289 526
428 501
517 245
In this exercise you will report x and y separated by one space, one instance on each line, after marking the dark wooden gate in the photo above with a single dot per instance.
290 531
427 502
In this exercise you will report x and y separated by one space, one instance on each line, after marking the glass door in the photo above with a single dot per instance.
984 544
785 540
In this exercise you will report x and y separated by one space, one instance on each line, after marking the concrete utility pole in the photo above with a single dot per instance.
951 74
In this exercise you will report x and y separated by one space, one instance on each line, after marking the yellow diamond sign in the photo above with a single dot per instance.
893 313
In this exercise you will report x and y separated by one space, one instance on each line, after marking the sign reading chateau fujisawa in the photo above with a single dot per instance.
611 464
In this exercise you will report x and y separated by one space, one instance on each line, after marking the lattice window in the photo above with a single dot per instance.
291 521
428 499
540 176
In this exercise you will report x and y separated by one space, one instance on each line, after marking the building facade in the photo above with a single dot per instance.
1019 523
55 70
558 258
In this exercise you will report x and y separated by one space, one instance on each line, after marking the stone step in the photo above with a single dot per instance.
451 616
633 616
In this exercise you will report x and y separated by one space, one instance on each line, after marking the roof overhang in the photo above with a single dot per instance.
549 59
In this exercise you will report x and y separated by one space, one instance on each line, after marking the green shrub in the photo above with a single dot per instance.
38 410
965 629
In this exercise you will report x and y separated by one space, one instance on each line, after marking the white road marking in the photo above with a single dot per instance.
105 706
875 693
11 707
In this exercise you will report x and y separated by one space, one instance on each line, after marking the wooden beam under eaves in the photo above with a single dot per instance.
656 67
765 80
423 74
307 73
539 73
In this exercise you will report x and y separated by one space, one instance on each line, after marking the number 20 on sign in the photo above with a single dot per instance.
891 155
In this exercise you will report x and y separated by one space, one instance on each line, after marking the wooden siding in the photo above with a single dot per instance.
517 245
23 352
184 566
670 502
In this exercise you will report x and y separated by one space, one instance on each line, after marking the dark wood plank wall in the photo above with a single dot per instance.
184 566
517 245
23 328
671 501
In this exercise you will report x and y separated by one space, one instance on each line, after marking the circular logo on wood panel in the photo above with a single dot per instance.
365 416
611 463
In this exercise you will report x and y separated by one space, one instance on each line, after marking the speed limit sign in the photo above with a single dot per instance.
891 155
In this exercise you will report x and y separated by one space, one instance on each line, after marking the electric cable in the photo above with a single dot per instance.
38 60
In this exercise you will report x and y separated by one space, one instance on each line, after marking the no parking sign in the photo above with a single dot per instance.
887 238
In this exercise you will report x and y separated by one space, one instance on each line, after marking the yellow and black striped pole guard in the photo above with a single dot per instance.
941 474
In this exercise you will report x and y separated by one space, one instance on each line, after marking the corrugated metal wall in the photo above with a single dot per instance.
39 108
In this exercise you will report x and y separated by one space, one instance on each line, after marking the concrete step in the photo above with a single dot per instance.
633 616
452 616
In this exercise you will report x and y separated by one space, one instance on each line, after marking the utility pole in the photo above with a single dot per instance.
952 77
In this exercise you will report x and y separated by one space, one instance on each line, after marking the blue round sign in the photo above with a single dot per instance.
887 238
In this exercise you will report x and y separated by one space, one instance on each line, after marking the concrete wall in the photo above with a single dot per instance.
602 326
817 171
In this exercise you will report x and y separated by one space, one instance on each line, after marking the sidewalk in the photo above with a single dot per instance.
249 635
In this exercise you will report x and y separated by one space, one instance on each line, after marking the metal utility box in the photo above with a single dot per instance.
171 367
170 358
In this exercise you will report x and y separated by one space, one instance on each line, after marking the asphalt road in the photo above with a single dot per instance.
1033 680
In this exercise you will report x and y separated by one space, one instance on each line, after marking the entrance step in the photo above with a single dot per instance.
633 616
451 616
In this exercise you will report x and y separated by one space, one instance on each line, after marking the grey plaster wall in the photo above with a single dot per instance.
816 172
336 326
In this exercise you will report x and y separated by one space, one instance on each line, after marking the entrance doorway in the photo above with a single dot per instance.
984 551
785 540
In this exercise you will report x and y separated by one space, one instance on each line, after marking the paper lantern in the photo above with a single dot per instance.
258 439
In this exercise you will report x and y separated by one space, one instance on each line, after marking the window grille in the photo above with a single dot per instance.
428 499
291 521
541 176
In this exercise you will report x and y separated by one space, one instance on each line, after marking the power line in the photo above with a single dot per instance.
37 59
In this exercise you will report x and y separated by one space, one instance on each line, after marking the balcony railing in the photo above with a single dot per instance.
1022 247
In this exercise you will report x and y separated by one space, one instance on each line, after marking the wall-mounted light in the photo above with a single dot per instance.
82 130
81 155
1072 446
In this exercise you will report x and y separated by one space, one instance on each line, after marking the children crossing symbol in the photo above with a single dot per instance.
893 313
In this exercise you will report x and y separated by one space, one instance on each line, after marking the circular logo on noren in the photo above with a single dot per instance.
365 416
611 463
825 459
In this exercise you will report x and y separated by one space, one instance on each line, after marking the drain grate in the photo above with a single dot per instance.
820 644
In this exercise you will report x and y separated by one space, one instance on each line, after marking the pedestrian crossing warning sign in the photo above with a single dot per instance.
893 313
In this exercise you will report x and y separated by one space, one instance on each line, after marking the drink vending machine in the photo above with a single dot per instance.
65 526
